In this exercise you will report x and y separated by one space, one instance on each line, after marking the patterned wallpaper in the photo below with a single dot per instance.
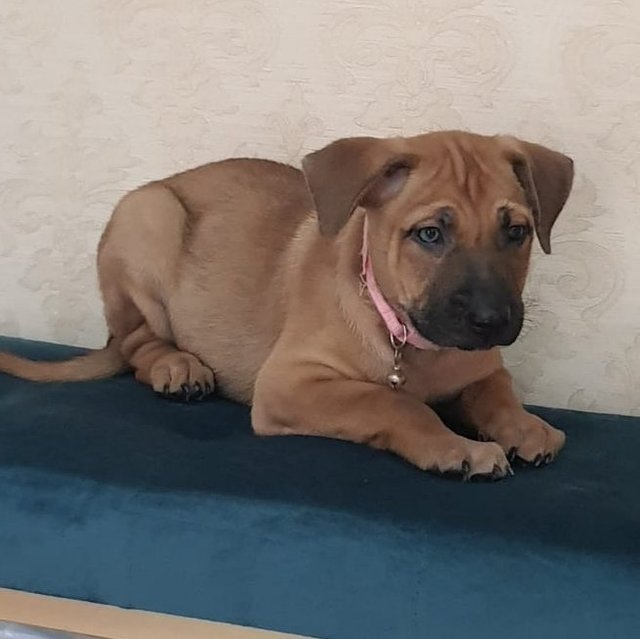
97 96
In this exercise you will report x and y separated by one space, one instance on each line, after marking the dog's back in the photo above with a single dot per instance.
198 260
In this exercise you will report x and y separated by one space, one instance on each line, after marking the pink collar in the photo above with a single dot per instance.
399 332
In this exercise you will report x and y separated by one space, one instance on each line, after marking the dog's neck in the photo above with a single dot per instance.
400 332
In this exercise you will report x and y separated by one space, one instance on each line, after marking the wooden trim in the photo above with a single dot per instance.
115 623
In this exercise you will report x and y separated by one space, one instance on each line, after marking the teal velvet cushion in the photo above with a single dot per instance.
110 494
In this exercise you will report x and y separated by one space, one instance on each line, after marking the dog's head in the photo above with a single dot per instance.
451 221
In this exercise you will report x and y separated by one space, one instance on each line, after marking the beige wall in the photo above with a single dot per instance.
99 95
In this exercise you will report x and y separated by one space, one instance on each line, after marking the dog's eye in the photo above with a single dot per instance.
517 232
429 235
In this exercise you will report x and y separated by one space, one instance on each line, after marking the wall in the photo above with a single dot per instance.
97 96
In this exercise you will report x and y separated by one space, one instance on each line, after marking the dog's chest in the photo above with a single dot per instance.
438 376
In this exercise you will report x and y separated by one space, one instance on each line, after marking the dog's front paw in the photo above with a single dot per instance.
469 460
525 437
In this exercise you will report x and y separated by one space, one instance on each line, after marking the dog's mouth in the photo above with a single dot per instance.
483 344
449 333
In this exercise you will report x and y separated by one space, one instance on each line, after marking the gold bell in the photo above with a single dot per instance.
396 379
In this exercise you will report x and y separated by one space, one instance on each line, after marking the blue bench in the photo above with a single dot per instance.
112 495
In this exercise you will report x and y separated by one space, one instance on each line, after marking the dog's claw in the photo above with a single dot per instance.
185 394
486 477
495 475
537 462
511 455
547 459
464 473
461 473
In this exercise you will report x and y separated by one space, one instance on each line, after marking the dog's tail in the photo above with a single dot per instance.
98 364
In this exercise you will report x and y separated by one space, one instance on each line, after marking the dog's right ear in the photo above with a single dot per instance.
353 172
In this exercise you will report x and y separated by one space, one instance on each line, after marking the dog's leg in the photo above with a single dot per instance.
371 414
137 265
146 343
174 373
491 407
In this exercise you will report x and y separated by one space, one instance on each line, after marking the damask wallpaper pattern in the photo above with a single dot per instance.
97 96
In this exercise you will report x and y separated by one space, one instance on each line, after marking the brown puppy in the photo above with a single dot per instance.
224 269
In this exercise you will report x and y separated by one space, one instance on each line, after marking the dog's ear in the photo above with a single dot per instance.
546 177
353 172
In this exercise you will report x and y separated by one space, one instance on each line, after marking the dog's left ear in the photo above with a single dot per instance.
546 177
352 172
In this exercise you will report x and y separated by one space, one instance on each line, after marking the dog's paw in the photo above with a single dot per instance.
181 377
470 460
526 438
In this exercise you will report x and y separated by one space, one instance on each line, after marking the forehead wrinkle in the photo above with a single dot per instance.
475 219
441 170
468 169
456 162
460 180
479 177
486 165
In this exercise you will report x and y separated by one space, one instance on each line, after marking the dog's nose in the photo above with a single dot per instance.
485 319
482 313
